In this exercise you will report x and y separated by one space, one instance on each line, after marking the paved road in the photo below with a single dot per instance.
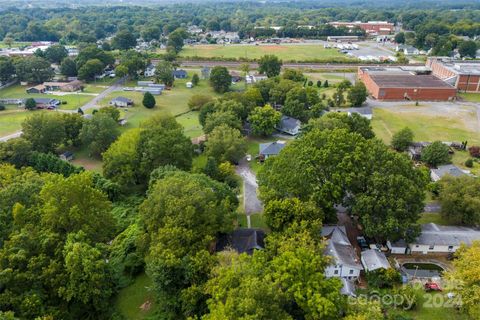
93 103
250 199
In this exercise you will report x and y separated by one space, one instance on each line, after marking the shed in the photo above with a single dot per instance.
398 247
373 259
67 156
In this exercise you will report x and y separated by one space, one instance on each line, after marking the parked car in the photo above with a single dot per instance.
362 243
432 286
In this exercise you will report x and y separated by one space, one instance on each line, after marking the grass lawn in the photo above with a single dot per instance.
82 159
74 101
11 120
472 97
285 52
459 126
174 101
130 299
427 310
432 218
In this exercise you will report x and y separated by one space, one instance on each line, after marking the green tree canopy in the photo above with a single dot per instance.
148 100
226 144
124 40
164 73
270 65
460 200
217 118
402 139
99 133
436 154
264 120
220 79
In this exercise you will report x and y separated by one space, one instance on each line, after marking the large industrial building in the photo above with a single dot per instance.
462 74
370 27
405 83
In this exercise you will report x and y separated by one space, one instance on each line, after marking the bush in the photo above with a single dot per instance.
195 79
148 100
402 139
469 163
383 278
436 154
64 102
2 107
319 84
474 151
197 101
310 83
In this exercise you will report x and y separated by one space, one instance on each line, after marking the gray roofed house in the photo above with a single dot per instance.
448 169
374 259
180 74
289 125
345 262
415 150
443 239
46 103
242 240
121 102
271 148
365 112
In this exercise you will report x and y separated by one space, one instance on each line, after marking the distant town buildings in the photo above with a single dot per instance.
370 27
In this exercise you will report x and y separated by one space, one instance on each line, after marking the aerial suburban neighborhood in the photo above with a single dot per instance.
240 160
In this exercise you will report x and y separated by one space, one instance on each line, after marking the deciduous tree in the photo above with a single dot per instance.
264 120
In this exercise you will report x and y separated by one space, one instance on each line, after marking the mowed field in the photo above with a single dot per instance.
286 52
450 123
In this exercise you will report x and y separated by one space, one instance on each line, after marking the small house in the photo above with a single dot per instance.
415 150
289 125
180 74
398 247
46 103
373 259
443 239
149 71
236 77
205 72
269 149
448 169
242 240
121 102
37 89
67 156
345 262
365 112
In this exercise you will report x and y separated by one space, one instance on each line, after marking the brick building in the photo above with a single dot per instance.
370 27
462 74
403 83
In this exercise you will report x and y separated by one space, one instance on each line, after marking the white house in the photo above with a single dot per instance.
149 71
289 125
121 102
373 259
443 239
398 247
365 112
345 263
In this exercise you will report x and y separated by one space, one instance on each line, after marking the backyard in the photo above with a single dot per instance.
286 52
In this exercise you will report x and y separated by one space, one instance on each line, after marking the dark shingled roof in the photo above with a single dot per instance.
242 240
409 81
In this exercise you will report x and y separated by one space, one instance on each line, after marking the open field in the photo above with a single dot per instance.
286 52
174 101
431 123
11 120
